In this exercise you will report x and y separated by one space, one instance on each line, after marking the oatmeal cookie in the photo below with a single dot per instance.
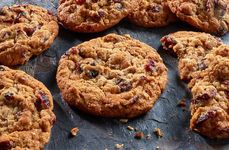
93 15
25 31
112 76
152 13
26 116
207 15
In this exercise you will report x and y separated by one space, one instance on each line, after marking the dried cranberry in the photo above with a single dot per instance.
168 42
80 2
29 31
150 66
205 117
125 86
42 102
203 98
5 145
9 96
2 68
92 73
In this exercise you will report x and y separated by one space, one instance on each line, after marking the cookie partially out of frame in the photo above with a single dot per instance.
26 116
204 62
25 31
112 76
207 15
152 13
93 15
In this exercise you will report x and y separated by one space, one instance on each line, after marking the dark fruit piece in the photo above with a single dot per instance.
9 96
150 66
154 9
203 98
168 42
92 73
42 102
123 85
29 31
202 66
2 68
205 117
80 2
5 145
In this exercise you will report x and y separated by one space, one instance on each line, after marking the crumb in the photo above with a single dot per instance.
130 128
158 132
157 148
148 137
119 146
139 135
182 103
74 131
123 120
135 129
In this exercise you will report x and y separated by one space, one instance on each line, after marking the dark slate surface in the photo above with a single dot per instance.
102 133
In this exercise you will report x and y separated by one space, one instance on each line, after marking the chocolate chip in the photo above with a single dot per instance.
2 68
9 96
150 66
80 2
204 117
42 102
92 73
5 145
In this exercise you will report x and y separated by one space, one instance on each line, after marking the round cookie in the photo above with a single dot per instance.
93 15
112 76
26 116
191 48
152 13
207 15
25 31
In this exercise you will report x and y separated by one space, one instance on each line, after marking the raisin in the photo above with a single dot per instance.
96 17
168 42
78 68
150 66
205 117
125 86
154 9
202 66
9 96
80 2
42 102
2 68
101 13
5 145
29 31
92 73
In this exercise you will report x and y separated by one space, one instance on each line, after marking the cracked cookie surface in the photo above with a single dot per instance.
152 13
25 31
26 116
208 15
93 15
204 62
112 76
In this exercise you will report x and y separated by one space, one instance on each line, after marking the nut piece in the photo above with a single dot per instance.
139 135
130 128
158 132
74 131
119 146
123 120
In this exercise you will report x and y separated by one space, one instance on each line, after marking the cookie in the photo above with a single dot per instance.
204 63
26 116
112 76
25 31
152 13
191 48
93 15
207 15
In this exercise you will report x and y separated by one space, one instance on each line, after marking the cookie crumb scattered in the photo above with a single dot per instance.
148 137
119 146
130 128
74 131
139 135
123 120
157 148
158 132
182 103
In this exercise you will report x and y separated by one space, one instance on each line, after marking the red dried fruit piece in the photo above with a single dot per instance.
80 2
139 135
226 82
5 145
168 42
29 31
204 97
150 66
9 96
204 117
123 85
43 101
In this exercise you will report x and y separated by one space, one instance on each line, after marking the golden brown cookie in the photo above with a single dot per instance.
26 116
25 31
112 76
152 13
93 15
204 62
207 15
